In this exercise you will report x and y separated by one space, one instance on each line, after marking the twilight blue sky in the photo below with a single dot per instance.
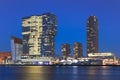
72 16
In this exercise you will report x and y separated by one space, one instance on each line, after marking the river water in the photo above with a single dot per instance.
59 72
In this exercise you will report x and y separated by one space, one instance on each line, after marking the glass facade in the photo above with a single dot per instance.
65 51
78 51
16 48
92 35
38 34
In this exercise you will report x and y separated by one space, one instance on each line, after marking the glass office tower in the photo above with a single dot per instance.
39 34
92 35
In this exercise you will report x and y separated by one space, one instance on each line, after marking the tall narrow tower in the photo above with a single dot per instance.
92 35
16 48
39 34
65 50
78 51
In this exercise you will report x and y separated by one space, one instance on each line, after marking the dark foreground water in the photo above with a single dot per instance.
60 73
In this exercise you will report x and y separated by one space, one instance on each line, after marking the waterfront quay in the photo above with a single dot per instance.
92 59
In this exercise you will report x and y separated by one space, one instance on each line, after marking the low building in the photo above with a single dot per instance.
36 61
106 58
5 57
100 55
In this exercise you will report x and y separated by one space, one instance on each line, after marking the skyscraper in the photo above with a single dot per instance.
16 48
65 51
78 51
92 35
39 34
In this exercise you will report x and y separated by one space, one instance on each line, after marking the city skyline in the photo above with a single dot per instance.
68 22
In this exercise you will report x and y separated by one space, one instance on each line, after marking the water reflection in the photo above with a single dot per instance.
92 70
105 70
37 73
99 72
59 73
75 69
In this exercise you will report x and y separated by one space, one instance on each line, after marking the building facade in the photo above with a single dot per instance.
78 51
5 57
39 34
92 35
65 51
16 48
101 55
107 58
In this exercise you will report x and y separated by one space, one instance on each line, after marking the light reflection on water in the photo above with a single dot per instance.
37 73
59 73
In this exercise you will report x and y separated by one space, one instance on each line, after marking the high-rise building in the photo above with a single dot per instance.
65 51
16 48
39 34
78 51
92 35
